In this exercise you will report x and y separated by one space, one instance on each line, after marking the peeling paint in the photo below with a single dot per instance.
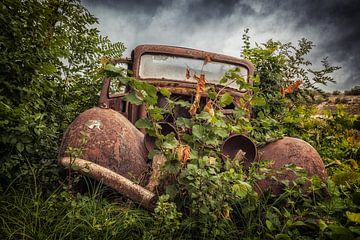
94 124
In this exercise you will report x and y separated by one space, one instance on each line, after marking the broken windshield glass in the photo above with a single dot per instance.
154 66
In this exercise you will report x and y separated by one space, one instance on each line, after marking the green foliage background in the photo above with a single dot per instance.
49 56
51 71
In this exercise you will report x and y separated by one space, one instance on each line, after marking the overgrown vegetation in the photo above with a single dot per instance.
52 72
354 91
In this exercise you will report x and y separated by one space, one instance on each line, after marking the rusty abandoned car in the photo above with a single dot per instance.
116 151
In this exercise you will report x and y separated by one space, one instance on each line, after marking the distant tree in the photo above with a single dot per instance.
353 91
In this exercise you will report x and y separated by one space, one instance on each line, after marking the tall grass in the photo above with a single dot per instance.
27 214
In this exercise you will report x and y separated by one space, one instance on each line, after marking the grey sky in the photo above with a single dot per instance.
217 26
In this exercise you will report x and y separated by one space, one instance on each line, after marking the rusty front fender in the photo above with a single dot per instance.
106 146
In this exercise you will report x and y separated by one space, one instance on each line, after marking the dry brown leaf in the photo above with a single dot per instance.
104 60
290 88
207 59
240 155
183 154
201 83
226 213
200 87
212 160
187 75
209 108
193 108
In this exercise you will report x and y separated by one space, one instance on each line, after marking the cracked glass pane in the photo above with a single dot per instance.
155 66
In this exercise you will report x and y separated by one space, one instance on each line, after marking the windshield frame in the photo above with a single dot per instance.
187 53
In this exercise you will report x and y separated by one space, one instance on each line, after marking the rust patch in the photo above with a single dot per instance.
289 151
111 141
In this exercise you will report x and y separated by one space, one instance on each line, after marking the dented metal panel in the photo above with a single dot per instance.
289 151
108 139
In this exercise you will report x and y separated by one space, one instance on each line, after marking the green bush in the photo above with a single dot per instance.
355 91
50 55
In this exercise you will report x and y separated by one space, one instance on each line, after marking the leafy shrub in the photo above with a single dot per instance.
50 56
353 91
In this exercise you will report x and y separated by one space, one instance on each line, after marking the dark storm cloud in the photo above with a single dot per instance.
214 9
148 6
334 26
338 21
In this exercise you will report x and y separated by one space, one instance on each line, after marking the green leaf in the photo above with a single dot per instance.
192 167
122 79
133 98
171 143
203 116
269 225
258 101
225 99
198 131
203 209
47 68
185 122
182 103
340 232
151 100
111 68
143 123
223 80
194 154
353 217
212 141
165 92
298 223
322 225
212 95
150 89
223 133
241 189
256 79
20 146
238 112
355 229
26 139
156 113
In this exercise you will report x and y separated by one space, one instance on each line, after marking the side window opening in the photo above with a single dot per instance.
116 88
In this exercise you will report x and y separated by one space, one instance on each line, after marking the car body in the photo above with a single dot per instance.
112 150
